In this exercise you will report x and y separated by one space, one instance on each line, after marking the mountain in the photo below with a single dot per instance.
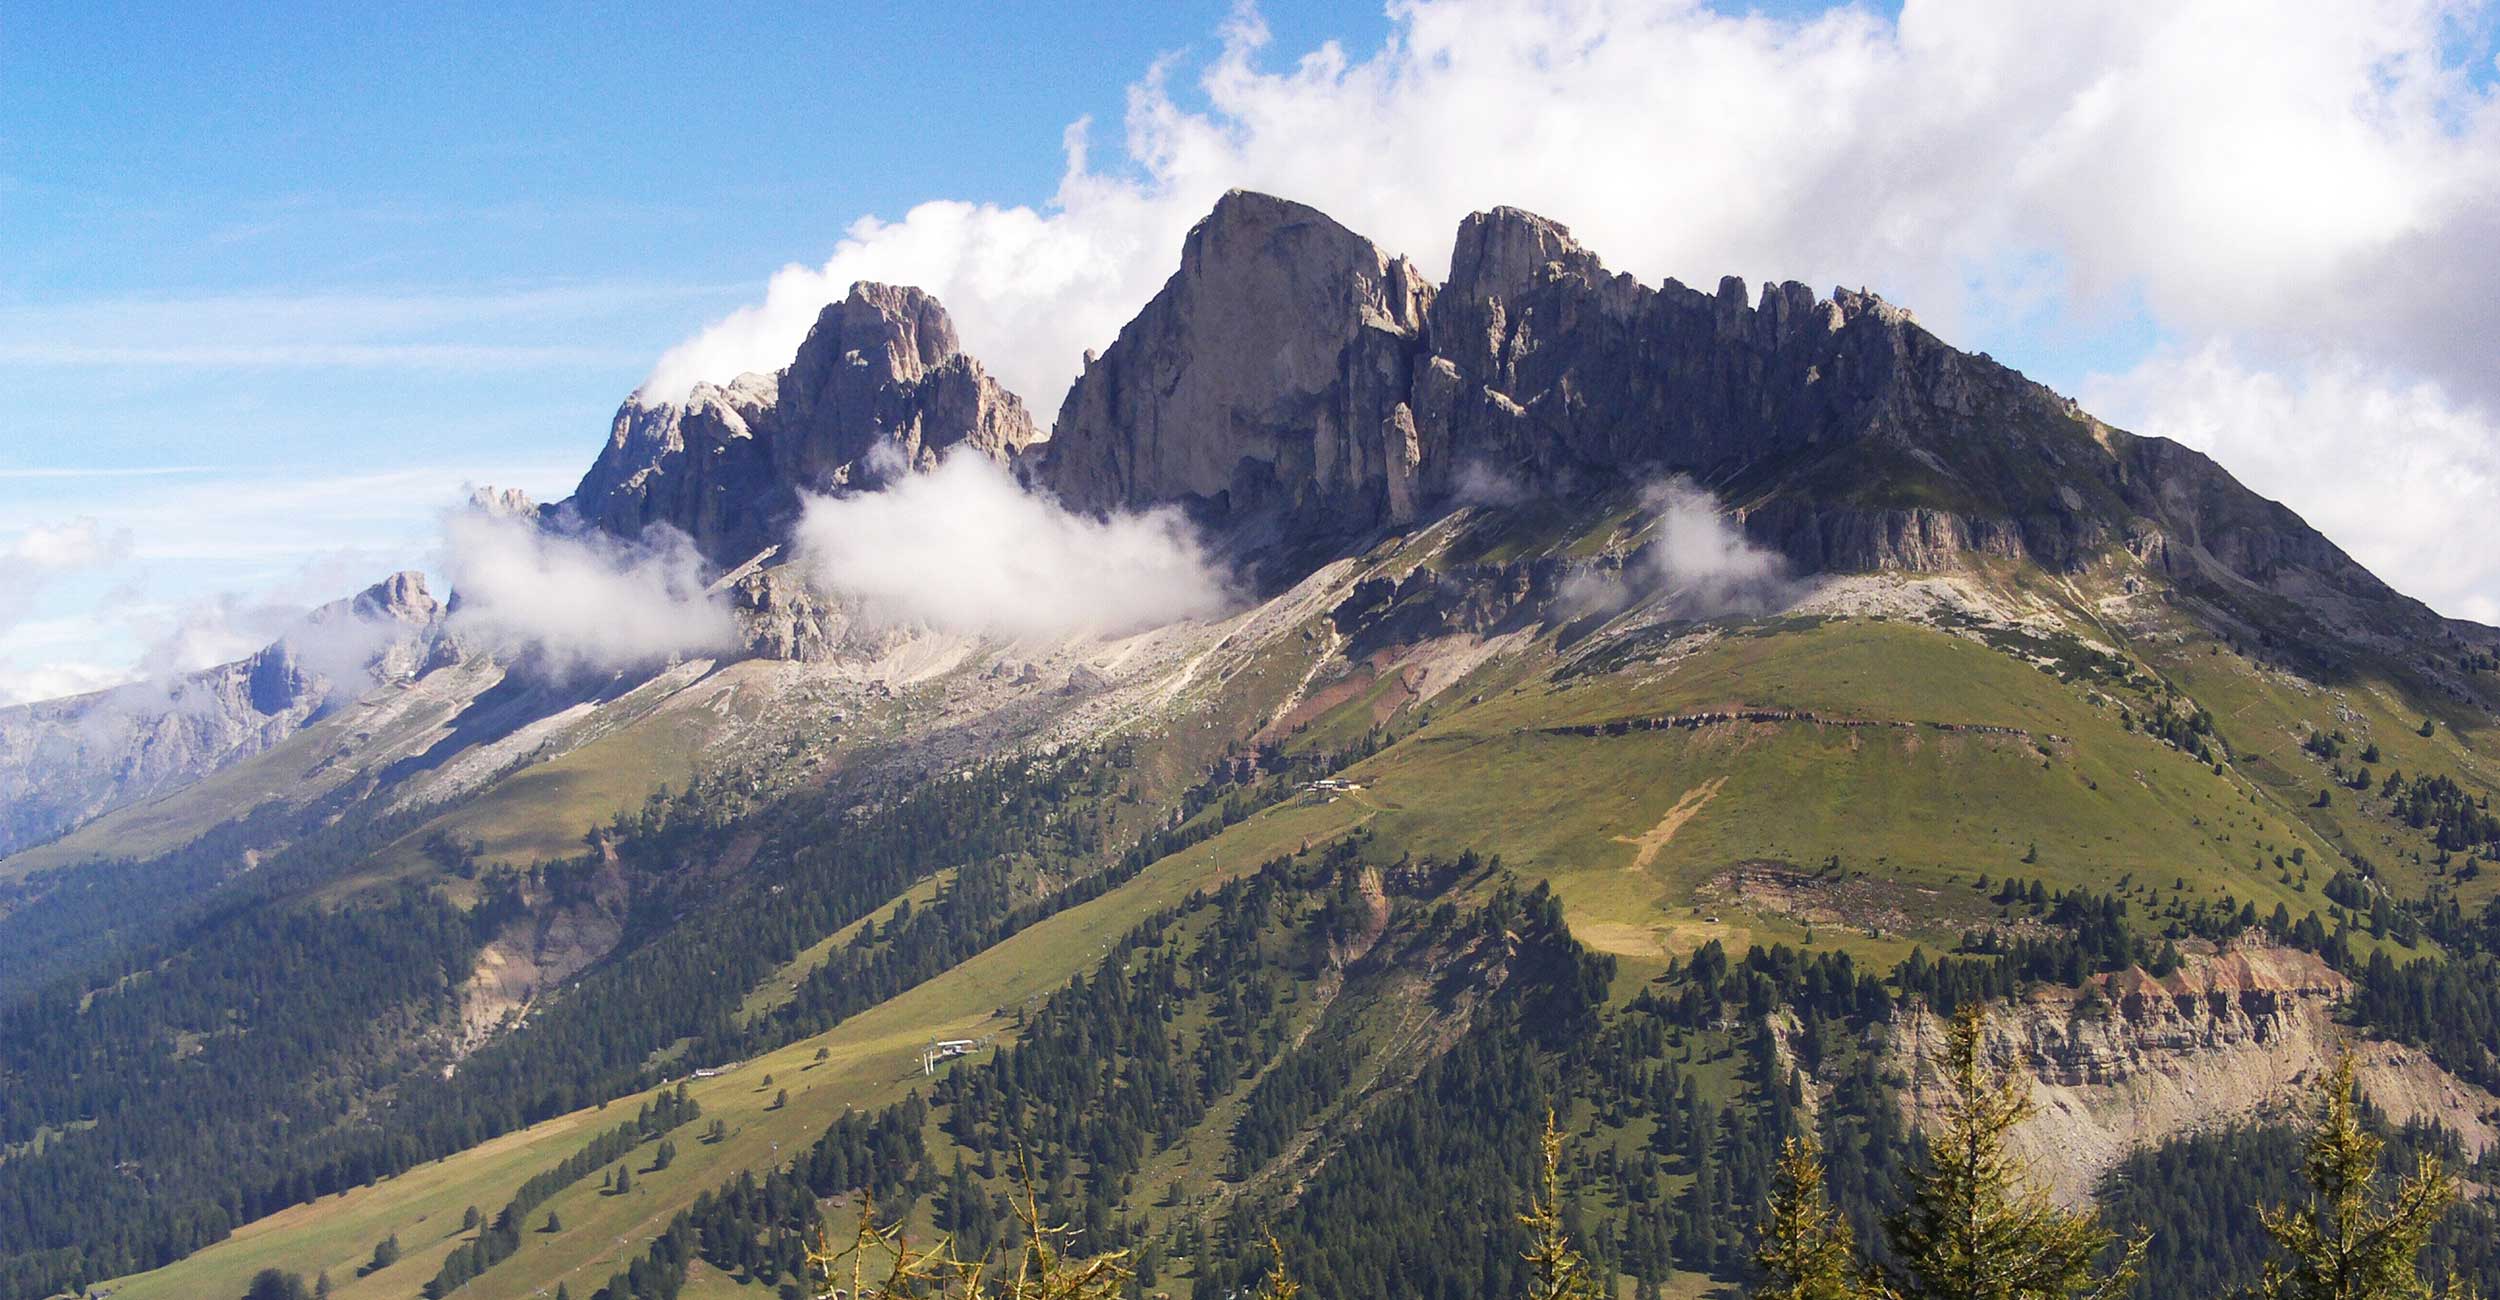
65 762
1292 379
1653 705
880 386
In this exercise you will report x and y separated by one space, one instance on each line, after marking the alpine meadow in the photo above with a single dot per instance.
1222 736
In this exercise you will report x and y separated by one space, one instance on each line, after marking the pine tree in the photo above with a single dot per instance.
554 1224
1556 1271
2349 1242
1972 1230
624 1180
385 1253
1806 1251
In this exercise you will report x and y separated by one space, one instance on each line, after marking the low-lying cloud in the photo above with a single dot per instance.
570 603
965 548
1696 564
1702 565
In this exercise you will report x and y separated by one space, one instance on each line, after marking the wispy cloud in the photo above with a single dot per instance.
183 556
526 327
33 558
964 548
581 603
101 471
427 356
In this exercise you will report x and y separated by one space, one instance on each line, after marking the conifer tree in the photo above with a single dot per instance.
1806 1251
1556 1271
2349 1242
1972 1229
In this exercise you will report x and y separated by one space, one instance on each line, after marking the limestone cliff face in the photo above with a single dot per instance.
881 385
2240 1035
1263 383
1296 388
65 762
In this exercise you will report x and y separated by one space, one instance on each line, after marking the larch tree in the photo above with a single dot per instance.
1555 1270
1807 1252
1974 1229
2350 1241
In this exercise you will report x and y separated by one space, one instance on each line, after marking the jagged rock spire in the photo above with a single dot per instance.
881 382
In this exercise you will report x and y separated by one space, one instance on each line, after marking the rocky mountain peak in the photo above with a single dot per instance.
1500 253
1260 383
66 761
880 383
400 598
1297 389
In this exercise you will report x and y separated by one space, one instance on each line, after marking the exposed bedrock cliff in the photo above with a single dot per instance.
880 385
2241 1035
1298 391
1262 382
1294 382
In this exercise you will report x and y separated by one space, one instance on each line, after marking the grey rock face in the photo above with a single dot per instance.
65 762
1264 382
880 385
1298 388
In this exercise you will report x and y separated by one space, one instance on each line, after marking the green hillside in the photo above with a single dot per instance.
1837 786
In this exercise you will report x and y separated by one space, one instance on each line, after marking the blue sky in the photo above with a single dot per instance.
564 196
282 252
282 279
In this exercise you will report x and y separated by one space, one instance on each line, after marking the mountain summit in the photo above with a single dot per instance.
1643 706
1298 390
880 385
1294 383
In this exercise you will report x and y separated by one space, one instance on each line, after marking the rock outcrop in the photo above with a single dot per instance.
1265 383
881 385
65 762
1299 389
2134 1060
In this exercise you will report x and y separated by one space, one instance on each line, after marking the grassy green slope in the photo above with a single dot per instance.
871 1061
1915 813
2266 714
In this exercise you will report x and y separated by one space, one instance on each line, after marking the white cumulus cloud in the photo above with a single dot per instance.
2276 178
2416 474
1702 562
964 548
1695 563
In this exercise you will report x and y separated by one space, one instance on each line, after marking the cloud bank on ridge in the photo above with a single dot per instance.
575 603
965 548
2211 172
